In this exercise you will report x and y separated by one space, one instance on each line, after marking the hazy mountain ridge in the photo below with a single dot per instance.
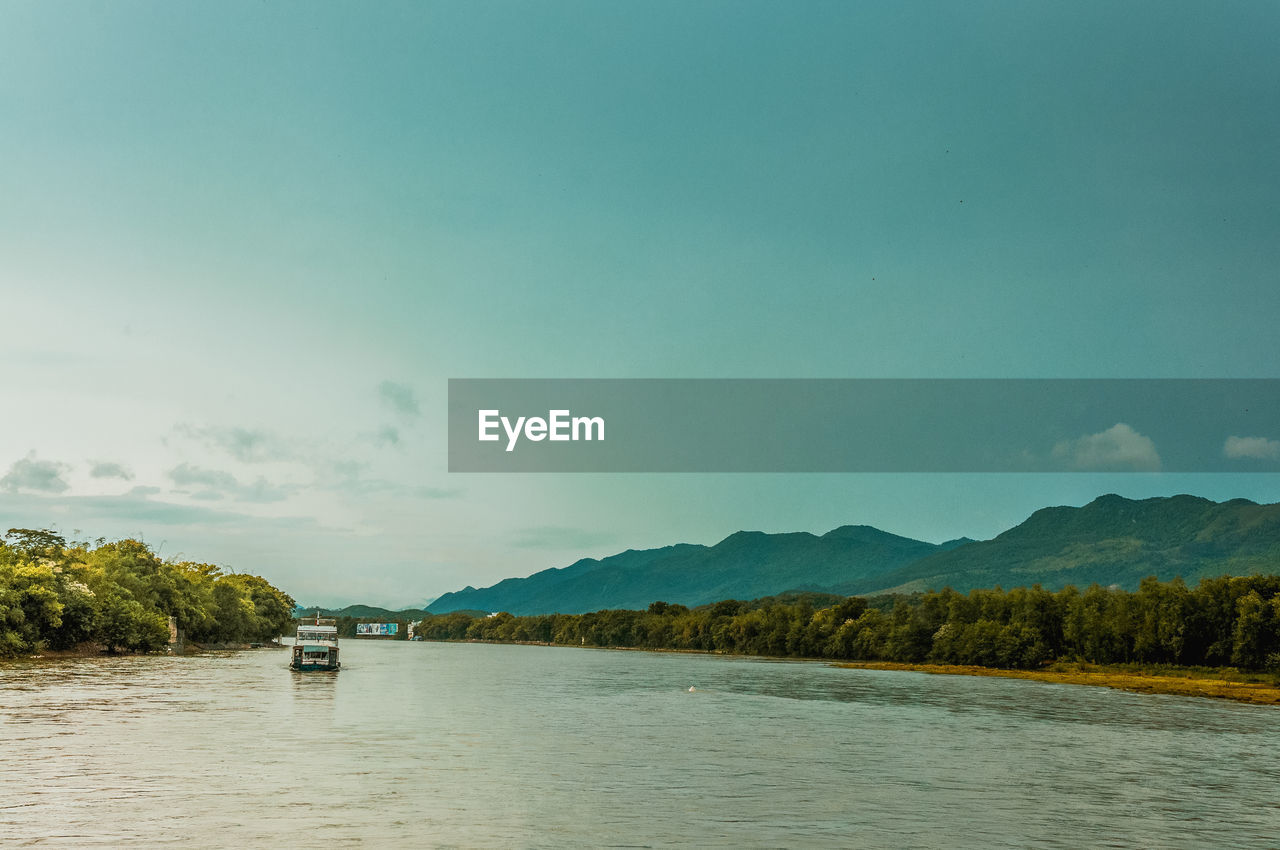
1111 540
745 565
361 612
592 578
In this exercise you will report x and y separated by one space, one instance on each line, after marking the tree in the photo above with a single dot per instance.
36 543
122 623
29 607
1254 636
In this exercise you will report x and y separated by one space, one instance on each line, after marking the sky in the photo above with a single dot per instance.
244 246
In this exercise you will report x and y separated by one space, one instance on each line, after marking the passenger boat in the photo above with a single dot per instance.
316 647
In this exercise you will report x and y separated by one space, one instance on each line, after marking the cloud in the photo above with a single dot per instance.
559 537
217 484
244 444
40 476
347 476
110 470
1117 449
387 436
1251 447
125 512
186 475
262 490
368 486
399 397
437 492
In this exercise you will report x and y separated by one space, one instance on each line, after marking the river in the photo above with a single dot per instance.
472 745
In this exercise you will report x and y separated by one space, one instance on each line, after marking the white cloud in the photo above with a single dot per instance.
41 476
103 469
437 492
400 397
217 484
1251 447
262 490
186 475
1117 449
244 444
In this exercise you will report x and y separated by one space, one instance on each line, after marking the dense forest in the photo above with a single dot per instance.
120 595
1226 621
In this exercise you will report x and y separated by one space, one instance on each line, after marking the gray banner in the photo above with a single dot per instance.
864 425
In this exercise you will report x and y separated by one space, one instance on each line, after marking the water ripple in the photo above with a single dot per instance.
494 746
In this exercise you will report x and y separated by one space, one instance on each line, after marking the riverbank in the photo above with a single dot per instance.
1179 681
95 650
1228 683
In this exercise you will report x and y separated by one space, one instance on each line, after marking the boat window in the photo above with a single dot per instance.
315 636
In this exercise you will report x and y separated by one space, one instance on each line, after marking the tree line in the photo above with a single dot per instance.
347 627
1225 621
120 595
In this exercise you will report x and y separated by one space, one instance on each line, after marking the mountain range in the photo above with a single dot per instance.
1110 541
360 612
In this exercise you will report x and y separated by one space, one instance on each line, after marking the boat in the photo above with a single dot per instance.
316 647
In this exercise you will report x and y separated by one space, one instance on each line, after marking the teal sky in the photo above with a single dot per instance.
244 245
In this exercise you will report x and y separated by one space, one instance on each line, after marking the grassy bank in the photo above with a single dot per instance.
95 650
1216 683
1258 689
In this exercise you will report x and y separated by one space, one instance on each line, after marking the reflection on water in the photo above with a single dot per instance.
313 683
497 746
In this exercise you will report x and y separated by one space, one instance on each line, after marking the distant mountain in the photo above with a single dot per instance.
361 612
1111 540
745 565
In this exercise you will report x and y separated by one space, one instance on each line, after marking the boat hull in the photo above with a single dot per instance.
312 657
312 667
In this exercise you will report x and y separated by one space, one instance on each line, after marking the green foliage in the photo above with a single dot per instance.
122 623
120 595
29 605
1229 620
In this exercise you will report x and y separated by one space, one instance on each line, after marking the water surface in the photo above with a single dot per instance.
473 745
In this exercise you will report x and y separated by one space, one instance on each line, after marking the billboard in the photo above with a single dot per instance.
377 628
